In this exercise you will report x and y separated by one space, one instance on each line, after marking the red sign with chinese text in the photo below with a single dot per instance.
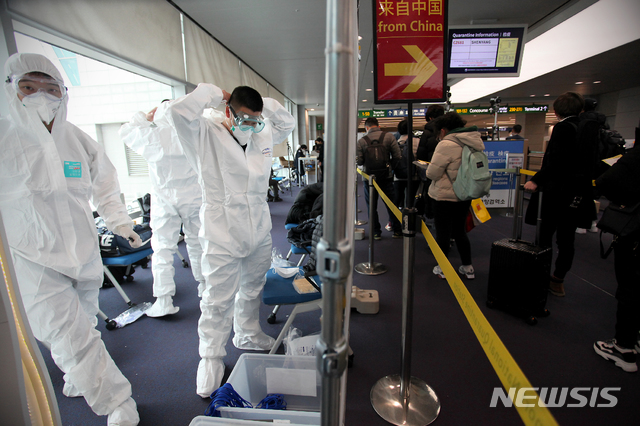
409 57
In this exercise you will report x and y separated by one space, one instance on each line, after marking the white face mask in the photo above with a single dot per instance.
45 105
241 136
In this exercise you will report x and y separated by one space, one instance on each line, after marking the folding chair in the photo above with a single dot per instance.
280 291
126 260
303 252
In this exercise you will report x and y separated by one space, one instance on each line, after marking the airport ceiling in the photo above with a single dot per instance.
284 42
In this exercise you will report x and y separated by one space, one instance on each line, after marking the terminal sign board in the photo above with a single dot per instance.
410 63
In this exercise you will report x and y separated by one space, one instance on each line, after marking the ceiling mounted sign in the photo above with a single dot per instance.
410 52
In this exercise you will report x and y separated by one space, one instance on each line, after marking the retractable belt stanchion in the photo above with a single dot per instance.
403 399
371 267
358 221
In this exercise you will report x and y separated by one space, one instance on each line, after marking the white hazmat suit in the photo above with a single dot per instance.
236 223
46 182
176 198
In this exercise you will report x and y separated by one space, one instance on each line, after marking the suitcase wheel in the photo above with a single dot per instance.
491 304
129 278
544 313
531 320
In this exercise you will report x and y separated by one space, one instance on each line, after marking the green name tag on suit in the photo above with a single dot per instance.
72 169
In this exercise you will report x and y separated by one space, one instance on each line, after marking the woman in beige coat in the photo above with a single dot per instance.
451 213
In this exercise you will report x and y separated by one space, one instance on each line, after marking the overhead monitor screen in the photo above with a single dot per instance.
485 51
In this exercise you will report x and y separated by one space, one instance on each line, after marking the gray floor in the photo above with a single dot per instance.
159 356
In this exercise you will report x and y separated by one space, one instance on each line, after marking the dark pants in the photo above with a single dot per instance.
628 293
449 219
564 225
274 187
400 194
386 185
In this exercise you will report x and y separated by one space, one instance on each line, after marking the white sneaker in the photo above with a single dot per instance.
389 227
126 414
581 231
594 226
438 271
162 306
467 271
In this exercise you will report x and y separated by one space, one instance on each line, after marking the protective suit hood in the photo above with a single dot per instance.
22 63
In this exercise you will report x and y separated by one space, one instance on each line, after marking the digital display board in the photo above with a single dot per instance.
485 51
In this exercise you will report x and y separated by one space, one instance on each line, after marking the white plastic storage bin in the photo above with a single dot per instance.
295 377
283 416
217 421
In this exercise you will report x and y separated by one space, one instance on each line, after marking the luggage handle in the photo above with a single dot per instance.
517 223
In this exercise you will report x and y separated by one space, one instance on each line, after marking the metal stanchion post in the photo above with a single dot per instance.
403 399
358 221
371 267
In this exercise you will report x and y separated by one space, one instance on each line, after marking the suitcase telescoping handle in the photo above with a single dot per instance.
518 217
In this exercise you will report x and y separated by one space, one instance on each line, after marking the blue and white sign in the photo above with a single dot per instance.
502 189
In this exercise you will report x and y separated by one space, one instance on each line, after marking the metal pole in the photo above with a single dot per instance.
334 249
371 267
406 400
358 221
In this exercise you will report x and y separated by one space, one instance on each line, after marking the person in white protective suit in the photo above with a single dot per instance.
49 171
233 157
176 198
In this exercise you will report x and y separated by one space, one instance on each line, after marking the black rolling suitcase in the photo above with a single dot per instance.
519 272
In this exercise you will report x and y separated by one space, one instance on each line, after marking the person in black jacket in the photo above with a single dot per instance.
320 149
426 147
301 152
568 192
429 137
621 185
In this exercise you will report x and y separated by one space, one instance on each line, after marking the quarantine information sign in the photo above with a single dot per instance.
410 63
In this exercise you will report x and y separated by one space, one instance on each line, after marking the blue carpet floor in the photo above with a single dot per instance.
160 356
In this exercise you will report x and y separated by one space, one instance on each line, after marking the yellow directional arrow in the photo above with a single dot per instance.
423 69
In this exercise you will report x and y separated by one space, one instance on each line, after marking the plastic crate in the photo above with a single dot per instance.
217 421
295 377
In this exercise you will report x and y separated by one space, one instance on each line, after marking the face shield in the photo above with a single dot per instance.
245 122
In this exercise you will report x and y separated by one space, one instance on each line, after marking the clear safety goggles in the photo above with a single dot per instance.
246 122
26 85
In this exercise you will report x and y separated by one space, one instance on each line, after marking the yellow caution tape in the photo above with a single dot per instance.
534 413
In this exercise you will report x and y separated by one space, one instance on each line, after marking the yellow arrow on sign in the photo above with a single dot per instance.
423 69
